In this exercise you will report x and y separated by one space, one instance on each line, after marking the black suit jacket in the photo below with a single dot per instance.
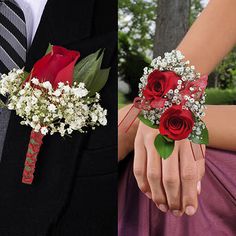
74 190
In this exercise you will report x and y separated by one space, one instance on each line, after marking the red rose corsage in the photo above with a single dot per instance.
171 99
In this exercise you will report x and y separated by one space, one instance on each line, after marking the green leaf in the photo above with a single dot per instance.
147 122
100 58
99 81
49 50
164 147
2 105
90 75
167 139
82 68
89 72
25 75
201 139
92 57
94 70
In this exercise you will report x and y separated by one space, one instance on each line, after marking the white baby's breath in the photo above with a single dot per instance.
47 85
44 130
64 110
173 61
35 81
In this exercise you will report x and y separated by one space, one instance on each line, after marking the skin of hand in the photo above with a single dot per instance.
151 172
173 184
163 188
126 140
174 181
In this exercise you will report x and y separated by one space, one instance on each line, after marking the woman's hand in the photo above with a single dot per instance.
173 183
126 140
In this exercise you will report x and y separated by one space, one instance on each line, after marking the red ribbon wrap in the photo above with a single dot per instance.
139 104
36 141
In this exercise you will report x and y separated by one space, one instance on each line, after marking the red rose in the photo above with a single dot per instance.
159 83
57 66
176 123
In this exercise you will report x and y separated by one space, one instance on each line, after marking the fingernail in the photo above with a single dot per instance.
149 195
176 212
199 187
163 207
190 210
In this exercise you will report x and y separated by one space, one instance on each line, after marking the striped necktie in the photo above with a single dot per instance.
13 41
13 47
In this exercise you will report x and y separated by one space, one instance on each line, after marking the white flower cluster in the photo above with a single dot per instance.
63 110
174 61
197 130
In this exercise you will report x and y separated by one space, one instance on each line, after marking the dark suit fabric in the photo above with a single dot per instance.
75 188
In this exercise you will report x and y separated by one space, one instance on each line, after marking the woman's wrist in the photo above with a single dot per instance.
126 139
211 36
220 120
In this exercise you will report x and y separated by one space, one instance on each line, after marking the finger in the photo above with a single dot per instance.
154 176
188 173
140 166
200 169
199 154
171 182
201 162
200 173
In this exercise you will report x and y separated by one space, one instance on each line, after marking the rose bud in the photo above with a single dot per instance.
57 66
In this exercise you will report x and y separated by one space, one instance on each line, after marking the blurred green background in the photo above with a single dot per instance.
146 29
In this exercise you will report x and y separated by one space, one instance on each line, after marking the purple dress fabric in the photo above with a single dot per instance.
216 215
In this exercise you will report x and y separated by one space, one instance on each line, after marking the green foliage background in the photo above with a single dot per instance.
136 37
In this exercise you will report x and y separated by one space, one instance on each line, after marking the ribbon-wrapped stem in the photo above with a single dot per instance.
36 141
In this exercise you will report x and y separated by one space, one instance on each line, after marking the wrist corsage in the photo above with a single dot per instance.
57 96
171 99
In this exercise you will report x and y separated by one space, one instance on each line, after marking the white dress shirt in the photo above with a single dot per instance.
33 10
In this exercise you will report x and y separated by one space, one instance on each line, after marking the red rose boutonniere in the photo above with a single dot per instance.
57 96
